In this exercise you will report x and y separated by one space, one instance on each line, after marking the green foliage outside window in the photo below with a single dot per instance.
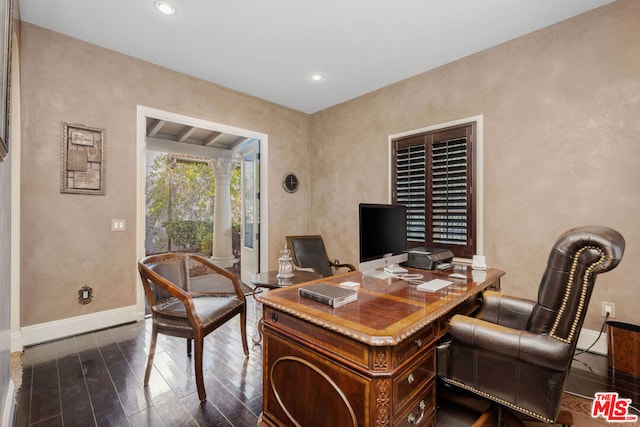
180 200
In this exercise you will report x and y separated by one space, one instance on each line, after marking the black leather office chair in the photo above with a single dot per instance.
518 352
309 252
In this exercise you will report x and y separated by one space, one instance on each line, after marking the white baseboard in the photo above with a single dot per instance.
9 407
30 335
35 334
588 337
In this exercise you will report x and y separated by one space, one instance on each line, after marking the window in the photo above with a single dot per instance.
433 175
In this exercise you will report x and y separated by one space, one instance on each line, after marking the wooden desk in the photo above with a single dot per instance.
367 363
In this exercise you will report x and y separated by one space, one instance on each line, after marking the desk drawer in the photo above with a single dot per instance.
422 412
413 344
413 379
318 338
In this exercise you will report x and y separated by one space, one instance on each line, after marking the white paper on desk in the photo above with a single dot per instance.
433 285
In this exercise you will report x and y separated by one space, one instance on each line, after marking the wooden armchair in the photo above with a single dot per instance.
190 305
309 252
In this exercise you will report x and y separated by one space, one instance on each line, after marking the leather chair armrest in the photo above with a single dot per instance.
338 264
538 349
505 310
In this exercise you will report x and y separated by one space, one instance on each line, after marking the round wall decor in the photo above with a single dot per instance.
290 183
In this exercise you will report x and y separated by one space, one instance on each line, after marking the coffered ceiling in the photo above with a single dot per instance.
163 130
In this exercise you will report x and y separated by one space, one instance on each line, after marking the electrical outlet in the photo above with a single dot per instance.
85 295
608 307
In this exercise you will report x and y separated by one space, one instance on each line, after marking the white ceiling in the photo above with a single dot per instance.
268 48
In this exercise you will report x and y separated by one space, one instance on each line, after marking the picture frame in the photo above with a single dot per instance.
83 160
6 36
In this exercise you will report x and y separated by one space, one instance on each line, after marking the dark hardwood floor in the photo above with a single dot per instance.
96 379
590 374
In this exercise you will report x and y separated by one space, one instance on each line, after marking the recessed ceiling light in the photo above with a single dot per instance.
316 77
165 8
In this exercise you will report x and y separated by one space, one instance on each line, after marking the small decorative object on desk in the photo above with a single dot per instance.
285 264
479 262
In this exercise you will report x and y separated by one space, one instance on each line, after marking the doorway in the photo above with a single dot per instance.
222 146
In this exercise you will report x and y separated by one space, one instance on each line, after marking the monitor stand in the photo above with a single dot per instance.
377 274
395 269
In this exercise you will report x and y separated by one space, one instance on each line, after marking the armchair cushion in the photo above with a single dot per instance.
208 311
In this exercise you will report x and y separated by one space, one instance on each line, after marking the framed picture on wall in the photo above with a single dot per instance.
6 20
83 160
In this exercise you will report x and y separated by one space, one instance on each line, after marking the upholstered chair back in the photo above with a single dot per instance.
174 270
575 260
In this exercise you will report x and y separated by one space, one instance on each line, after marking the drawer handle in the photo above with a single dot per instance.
418 343
274 317
411 419
411 378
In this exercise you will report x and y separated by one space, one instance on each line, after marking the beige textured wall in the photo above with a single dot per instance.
561 149
66 238
561 113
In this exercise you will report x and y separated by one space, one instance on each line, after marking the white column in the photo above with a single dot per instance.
222 246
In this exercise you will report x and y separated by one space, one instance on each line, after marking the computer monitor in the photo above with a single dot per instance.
383 235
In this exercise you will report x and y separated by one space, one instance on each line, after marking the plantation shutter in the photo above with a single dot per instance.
449 192
433 177
410 164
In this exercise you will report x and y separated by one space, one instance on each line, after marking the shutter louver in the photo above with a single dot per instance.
410 185
449 187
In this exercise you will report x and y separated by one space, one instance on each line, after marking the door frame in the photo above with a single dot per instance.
141 147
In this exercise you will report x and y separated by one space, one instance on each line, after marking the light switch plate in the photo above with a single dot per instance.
118 225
